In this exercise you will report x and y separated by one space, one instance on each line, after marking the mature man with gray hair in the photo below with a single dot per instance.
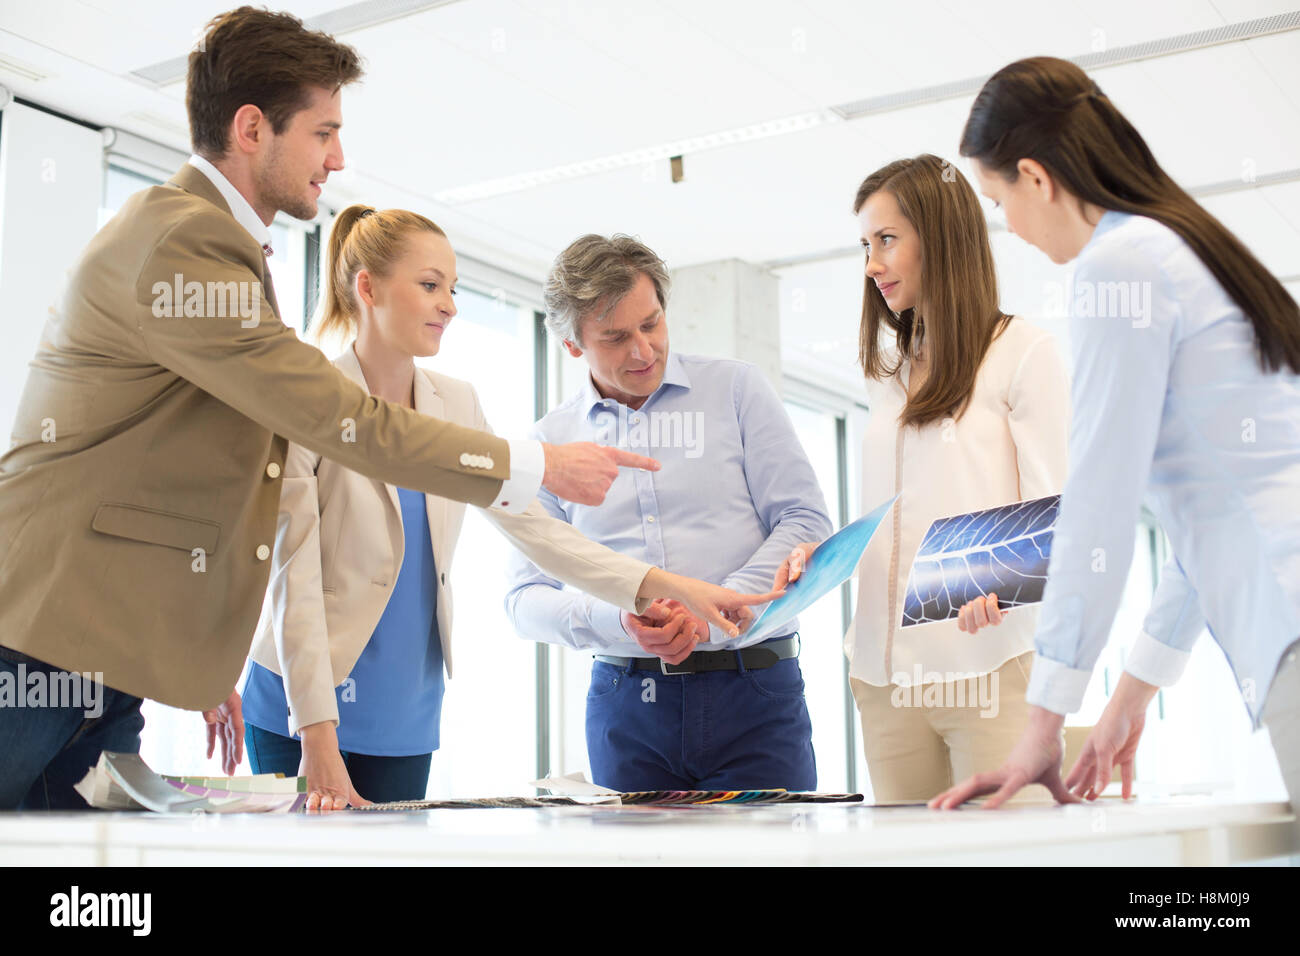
734 494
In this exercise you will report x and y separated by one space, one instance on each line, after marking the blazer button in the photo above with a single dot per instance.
273 470
443 577
263 552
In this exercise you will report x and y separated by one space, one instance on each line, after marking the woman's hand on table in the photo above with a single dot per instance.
329 787
1036 758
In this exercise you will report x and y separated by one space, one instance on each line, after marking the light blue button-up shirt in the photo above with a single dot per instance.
734 494
1169 398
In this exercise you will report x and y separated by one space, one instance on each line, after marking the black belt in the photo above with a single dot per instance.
756 657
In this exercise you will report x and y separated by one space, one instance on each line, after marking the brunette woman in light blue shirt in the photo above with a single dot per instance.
1186 388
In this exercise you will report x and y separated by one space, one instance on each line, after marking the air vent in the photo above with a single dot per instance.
18 68
160 123
1246 182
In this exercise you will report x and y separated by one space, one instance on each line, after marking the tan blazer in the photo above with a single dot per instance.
339 546
138 500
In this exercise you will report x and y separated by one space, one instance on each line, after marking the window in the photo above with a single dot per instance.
822 626
489 712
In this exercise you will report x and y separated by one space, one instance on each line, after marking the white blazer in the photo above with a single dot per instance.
339 544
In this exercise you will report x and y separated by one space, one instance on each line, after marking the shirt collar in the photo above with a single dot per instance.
674 374
240 207
1108 221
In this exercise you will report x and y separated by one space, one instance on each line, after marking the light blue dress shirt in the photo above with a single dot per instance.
734 494
1169 398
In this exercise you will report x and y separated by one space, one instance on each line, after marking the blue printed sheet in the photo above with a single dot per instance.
830 566
1003 551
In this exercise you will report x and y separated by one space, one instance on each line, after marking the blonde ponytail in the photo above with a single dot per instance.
361 238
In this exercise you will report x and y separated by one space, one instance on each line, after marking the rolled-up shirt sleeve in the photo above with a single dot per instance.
1121 330
1161 652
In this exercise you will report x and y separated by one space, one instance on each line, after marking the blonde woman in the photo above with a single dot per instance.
969 410
346 680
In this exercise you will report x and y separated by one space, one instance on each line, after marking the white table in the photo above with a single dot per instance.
1189 831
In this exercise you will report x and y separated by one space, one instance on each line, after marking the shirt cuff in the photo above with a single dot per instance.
315 713
607 622
1056 687
1156 663
527 466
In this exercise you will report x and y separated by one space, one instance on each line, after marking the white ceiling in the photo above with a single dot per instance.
481 89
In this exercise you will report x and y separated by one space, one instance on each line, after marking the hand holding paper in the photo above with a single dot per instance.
793 566
965 559
980 612
830 566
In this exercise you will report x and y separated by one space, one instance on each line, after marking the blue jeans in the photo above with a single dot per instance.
46 749
381 779
719 730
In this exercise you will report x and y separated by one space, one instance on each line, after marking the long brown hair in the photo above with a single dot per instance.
957 305
1048 110
362 237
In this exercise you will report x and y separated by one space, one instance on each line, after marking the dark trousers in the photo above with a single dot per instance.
721 730
380 779
48 741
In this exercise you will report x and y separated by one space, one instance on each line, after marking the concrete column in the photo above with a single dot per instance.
727 309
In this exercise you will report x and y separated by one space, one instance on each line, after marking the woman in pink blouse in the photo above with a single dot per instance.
969 410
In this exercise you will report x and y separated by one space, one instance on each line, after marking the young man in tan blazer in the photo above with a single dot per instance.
138 499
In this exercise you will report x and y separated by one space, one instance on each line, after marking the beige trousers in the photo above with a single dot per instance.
921 740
